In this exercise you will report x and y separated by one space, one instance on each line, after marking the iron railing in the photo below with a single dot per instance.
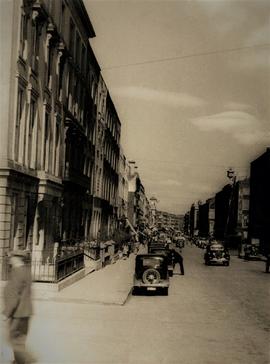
51 269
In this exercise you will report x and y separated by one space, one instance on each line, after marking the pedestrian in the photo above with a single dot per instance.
18 305
267 263
176 257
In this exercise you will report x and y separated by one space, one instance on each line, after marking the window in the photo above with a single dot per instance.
23 35
71 37
19 126
32 142
35 45
78 50
49 65
60 77
83 59
57 148
63 18
46 142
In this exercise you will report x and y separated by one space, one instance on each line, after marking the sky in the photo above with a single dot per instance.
190 81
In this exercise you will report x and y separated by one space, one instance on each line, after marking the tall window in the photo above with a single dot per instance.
32 142
18 128
35 45
23 35
63 18
71 37
60 77
83 60
46 142
78 50
57 148
49 65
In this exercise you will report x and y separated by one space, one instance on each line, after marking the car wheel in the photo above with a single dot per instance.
151 276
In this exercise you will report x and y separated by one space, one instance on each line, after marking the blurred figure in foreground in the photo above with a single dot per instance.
18 305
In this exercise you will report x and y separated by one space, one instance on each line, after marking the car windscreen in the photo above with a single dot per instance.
216 247
152 261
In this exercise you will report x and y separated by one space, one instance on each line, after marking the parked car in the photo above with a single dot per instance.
251 252
164 251
216 254
151 273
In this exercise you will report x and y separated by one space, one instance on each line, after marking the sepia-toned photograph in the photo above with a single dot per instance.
135 181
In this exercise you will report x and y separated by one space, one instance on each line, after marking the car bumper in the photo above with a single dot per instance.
218 260
139 284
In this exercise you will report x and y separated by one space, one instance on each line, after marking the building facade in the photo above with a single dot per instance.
48 116
211 215
123 186
243 208
259 212
136 196
169 220
203 221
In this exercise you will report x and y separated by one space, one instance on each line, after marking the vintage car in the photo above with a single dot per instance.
251 252
159 247
151 273
216 254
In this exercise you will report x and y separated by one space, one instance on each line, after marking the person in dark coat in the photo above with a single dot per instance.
176 257
267 263
18 305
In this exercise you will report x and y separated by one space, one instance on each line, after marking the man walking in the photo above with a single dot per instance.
18 305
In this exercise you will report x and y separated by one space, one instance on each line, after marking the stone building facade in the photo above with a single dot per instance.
48 114
123 186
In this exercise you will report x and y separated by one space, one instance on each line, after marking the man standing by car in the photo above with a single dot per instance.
18 305
267 263
176 257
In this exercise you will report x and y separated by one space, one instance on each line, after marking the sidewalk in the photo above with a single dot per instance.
109 285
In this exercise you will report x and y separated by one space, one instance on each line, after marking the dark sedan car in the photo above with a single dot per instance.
151 273
216 254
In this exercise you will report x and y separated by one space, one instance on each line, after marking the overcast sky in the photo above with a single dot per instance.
203 106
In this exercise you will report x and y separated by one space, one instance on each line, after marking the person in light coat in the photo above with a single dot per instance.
18 305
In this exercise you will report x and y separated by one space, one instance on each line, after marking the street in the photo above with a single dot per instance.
213 315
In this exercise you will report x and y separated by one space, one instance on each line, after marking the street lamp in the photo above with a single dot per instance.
231 175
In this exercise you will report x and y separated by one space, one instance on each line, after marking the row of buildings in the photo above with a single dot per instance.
63 174
240 211
168 220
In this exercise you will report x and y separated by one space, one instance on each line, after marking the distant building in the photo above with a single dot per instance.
186 223
169 220
193 219
243 208
153 209
123 186
203 221
211 215
259 212
222 202
136 196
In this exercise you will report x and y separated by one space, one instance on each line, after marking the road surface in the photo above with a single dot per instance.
213 315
